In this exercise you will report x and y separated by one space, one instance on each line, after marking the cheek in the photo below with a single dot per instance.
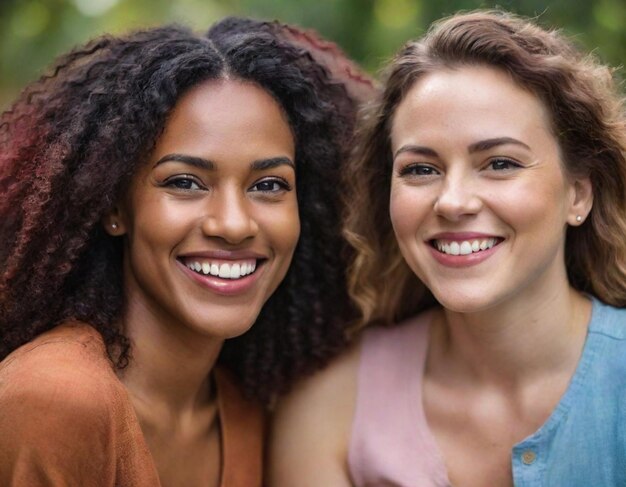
282 226
533 204
159 222
289 233
406 209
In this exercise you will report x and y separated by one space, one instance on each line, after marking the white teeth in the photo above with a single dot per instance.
234 270
465 247
455 248
224 271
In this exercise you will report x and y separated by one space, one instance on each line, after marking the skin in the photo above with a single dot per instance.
499 177
219 187
510 331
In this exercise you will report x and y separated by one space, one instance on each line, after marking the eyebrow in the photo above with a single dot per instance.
416 149
481 145
272 162
199 162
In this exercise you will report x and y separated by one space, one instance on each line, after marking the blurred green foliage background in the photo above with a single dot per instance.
33 32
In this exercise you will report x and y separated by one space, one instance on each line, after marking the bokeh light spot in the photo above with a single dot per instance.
94 8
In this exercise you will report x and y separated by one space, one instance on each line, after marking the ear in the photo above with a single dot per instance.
114 222
582 201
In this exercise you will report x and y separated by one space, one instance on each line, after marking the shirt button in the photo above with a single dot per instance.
529 457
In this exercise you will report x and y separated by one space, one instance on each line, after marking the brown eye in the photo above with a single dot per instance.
183 182
418 170
503 164
271 186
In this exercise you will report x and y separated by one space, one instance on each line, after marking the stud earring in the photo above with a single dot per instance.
579 218
114 226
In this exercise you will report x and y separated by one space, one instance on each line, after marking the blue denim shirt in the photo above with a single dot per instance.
583 442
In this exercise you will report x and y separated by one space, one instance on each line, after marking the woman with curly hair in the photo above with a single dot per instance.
160 194
488 213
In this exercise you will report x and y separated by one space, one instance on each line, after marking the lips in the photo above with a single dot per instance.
463 249
224 273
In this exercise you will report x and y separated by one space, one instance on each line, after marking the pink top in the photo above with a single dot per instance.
391 444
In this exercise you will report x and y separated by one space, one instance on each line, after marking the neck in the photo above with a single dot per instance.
169 371
512 344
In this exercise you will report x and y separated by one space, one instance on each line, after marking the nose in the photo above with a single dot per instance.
229 216
459 197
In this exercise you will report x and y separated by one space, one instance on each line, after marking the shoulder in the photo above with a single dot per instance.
331 393
67 363
60 401
311 426
608 320
59 384
332 386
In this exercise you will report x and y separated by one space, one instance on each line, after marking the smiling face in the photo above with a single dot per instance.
479 199
211 221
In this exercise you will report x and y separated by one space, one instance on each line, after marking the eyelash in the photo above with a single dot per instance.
511 164
173 182
411 170
282 185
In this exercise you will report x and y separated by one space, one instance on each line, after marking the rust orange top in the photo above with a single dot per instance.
67 420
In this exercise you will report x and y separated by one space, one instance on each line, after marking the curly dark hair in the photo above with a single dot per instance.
72 141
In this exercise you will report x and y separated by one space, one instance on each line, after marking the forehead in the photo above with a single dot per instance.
478 101
225 119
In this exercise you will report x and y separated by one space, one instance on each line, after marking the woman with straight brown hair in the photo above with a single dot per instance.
487 208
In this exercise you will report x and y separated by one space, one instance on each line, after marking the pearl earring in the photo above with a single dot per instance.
114 226
579 218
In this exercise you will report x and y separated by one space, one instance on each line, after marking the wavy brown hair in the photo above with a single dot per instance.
73 140
587 116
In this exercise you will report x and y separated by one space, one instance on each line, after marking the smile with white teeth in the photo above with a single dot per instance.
225 270
464 247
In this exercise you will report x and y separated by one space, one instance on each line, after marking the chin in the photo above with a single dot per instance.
463 303
231 329
221 325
